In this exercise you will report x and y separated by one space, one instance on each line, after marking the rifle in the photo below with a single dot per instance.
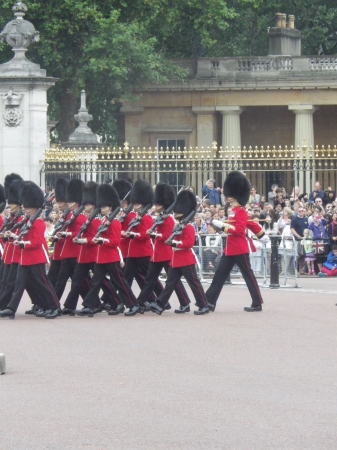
161 217
60 222
20 224
136 220
88 222
178 229
8 223
125 212
72 218
28 225
104 226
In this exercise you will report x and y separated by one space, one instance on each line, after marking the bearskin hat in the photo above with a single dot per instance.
186 203
164 195
31 195
74 191
236 185
89 194
61 189
2 198
107 196
14 192
123 188
8 180
142 193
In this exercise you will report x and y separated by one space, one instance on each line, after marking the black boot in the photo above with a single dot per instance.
154 307
133 311
182 309
201 311
7 313
118 310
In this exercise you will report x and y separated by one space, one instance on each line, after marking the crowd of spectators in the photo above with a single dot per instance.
307 220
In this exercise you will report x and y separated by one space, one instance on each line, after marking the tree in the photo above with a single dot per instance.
112 47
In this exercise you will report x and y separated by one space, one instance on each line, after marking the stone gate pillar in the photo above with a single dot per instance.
23 102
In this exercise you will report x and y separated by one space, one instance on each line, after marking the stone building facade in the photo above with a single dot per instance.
280 99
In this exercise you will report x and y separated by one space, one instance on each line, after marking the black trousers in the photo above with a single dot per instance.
53 271
2 268
190 274
67 271
153 273
35 279
80 279
225 266
9 285
137 268
116 274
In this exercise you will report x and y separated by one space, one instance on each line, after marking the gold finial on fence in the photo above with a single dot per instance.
214 148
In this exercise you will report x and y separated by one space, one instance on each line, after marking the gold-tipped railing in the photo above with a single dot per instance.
193 166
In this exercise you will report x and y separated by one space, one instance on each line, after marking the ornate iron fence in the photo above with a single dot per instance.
288 167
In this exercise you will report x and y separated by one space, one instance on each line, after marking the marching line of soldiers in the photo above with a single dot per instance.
105 238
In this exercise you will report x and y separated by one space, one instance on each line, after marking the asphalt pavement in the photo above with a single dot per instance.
226 380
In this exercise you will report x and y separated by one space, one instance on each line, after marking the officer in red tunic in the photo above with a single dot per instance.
140 245
13 183
31 271
236 190
183 258
108 257
70 249
164 197
56 259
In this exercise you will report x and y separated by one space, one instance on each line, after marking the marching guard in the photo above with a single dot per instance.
88 254
56 258
33 257
139 241
108 259
183 261
70 228
237 190
164 199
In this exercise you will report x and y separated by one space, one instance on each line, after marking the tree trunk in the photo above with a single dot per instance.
68 107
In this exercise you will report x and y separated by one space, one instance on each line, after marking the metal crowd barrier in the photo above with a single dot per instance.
260 261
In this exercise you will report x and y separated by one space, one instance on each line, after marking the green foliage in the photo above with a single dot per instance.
112 47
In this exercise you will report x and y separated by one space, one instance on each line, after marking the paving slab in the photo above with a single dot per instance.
226 380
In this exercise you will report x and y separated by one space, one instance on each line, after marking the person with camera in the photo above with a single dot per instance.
316 193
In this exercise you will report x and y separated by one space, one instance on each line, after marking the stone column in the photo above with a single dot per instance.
304 131
231 129
205 134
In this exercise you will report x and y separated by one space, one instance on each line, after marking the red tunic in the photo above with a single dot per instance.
16 255
88 251
162 252
183 255
108 251
236 239
141 245
34 252
1 241
9 247
58 246
125 240
70 249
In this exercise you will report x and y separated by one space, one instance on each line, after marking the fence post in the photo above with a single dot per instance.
274 272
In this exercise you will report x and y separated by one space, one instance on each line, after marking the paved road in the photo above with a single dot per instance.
228 380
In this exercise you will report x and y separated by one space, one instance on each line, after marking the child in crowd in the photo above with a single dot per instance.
329 268
307 243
